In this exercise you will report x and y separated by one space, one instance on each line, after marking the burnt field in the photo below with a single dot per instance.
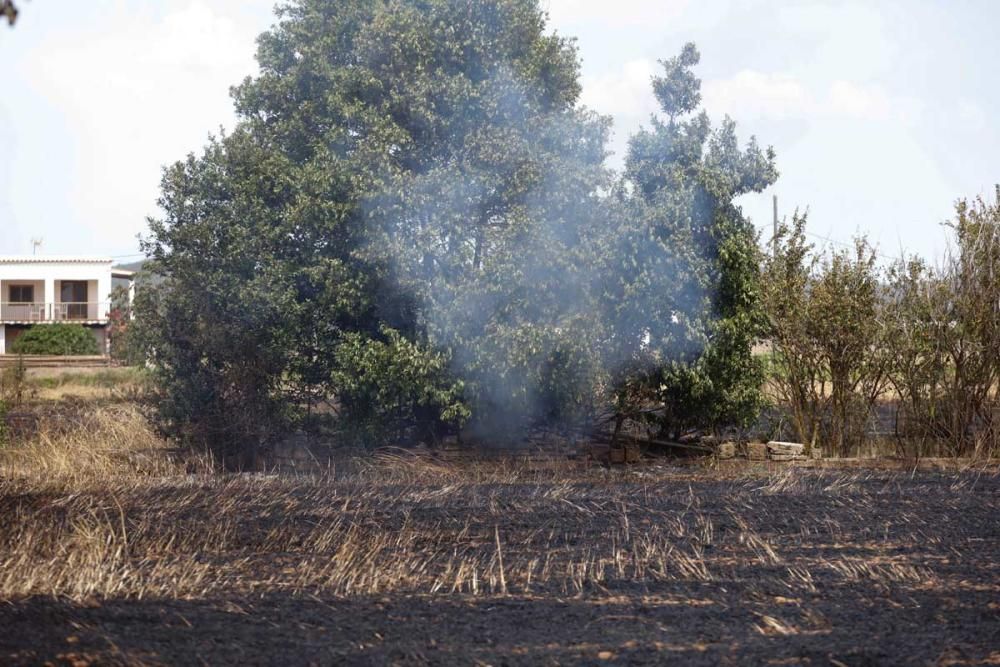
408 561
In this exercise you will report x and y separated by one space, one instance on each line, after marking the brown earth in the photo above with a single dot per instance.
420 563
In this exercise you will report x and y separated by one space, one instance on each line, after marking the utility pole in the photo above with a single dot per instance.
774 239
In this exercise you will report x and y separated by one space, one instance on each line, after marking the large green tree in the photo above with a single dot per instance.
686 303
399 168
412 227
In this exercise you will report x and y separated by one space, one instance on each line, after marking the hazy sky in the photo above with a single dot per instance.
880 112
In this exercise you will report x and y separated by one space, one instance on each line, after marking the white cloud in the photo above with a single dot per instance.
142 92
857 101
625 92
782 96
759 94
749 96
623 13
849 39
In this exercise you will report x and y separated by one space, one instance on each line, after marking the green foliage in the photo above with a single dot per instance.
390 157
944 337
388 387
413 220
216 370
686 309
56 339
799 376
485 227
679 91
846 320
847 332
828 325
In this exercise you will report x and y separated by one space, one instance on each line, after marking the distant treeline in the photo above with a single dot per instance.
849 333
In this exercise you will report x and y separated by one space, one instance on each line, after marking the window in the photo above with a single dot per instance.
73 295
22 293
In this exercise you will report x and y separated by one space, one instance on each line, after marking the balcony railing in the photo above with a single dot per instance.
93 311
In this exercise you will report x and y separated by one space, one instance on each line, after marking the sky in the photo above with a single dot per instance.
879 112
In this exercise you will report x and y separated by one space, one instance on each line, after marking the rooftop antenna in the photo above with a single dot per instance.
36 243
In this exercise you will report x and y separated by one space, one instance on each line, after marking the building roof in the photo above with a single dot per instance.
53 259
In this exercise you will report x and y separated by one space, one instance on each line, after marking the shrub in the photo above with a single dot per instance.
946 337
389 386
827 317
847 333
11 395
56 339
123 346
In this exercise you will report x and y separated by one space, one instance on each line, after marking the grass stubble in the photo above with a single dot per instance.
107 511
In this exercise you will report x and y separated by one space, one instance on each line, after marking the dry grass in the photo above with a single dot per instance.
98 445
105 515
102 510
85 384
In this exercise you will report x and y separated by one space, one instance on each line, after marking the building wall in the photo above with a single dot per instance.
56 269
10 335
47 274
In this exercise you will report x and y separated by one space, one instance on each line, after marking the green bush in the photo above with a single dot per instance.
391 385
56 339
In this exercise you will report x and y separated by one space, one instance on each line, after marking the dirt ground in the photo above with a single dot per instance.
450 565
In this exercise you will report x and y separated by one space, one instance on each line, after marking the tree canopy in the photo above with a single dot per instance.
8 10
412 230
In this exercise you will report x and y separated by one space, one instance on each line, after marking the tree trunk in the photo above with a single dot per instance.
477 260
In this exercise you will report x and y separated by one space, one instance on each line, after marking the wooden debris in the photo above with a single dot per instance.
53 361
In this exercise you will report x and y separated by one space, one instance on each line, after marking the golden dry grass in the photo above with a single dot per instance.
85 384
100 444
103 509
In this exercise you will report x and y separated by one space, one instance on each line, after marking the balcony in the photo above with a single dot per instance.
31 313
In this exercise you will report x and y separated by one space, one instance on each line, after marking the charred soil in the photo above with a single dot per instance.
415 562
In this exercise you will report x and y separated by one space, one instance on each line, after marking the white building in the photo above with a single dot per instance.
40 290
